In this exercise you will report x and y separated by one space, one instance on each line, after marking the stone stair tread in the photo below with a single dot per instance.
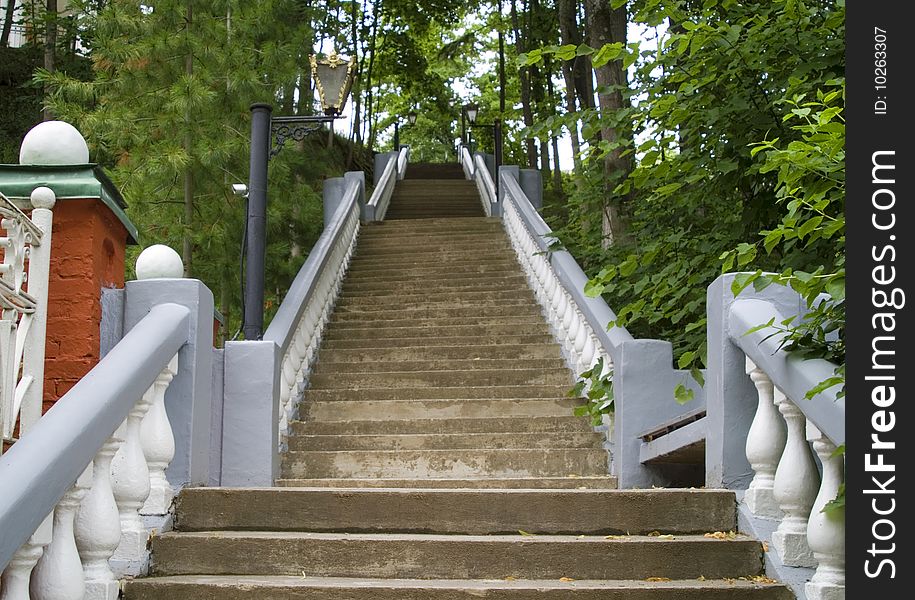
441 441
557 512
394 365
435 556
231 587
475 483
565 423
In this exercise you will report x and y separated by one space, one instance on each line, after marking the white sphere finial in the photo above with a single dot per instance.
43 197
159 261
53 143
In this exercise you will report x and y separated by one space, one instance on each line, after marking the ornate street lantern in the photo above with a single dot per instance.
333 77
411 117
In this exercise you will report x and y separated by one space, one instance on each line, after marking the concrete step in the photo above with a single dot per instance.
386 265
406 394
253 587
435 409
410 285
327 367
402 276
431 213
566 424
396 321
436 441
457 271
416 303
441 237
445 222
558 462
456 511
453 378
485 290
463 340
382 230
422 313
442 331
532 352
591 482
453 557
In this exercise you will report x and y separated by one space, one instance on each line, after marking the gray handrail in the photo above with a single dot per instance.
467 162
403 161
485 184
789 372
287 317
573 279
40 468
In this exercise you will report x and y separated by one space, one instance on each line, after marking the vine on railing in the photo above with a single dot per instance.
23 300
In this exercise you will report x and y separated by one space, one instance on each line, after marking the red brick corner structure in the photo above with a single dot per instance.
88 241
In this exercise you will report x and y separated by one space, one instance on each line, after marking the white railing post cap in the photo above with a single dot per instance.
159 261
43 197
53 143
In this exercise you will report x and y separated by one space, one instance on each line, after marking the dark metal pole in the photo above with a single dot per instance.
463 128
396 135
256 240
497 126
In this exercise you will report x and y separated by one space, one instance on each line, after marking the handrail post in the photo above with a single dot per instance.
732 399
332 194
188 401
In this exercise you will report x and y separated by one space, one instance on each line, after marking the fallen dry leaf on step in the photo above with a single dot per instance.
721 535
657 579
566 579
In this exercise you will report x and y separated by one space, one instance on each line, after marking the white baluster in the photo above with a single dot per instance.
98 527
158 444
765 444
130 482
581 337
14 582
59 573
796 484
826 530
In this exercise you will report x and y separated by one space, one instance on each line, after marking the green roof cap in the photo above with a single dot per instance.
68 182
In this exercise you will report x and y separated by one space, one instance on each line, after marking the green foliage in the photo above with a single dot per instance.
167 110
599 396
723 77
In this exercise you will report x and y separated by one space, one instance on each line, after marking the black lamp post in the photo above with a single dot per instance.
470 110
333 77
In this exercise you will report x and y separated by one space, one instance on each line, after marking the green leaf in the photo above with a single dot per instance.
606 53
697 375
765 325
594 288
584 50
682 394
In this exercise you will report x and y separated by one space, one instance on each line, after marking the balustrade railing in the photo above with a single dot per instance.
475 168
395 169
789 434
301 318
23 301
78 483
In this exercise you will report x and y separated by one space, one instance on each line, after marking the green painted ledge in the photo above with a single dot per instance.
68 182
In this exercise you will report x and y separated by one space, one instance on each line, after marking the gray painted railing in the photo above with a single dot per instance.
476 169
49 469
643 377
394 169
255 432
767 438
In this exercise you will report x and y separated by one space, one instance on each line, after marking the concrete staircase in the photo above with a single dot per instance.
436 458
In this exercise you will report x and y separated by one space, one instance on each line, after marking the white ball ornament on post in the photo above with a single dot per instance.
159 262
53 143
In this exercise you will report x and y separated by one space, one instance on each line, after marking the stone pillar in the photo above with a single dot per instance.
89 237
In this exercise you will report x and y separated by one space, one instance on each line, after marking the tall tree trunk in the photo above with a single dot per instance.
525 84
557 173
568 30
50 48
8 23
187 247
371 122
605 26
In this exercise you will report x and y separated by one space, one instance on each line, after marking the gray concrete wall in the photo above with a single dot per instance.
250 417
188 401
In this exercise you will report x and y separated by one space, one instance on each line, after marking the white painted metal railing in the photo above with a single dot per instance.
475 168
301 318
77 485
787 485
24 313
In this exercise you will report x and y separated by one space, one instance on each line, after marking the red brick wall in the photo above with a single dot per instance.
87 254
